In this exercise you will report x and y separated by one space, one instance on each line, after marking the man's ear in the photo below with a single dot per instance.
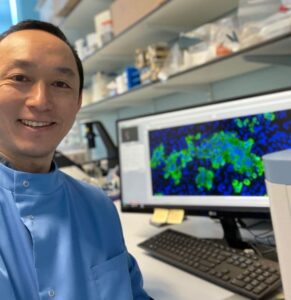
80 101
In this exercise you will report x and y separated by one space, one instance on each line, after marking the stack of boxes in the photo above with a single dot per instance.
103 27
151 61
112 22
126 12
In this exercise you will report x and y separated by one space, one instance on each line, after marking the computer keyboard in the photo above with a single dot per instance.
243 273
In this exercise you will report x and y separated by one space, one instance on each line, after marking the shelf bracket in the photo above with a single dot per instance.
271 59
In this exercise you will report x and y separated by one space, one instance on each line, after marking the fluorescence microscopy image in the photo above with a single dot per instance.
221 157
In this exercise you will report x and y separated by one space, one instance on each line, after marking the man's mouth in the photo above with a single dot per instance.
36 124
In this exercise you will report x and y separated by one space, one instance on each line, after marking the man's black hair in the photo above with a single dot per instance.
54 30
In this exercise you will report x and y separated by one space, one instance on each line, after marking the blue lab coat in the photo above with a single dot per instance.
61 239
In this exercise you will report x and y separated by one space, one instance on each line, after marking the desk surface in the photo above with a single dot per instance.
163 281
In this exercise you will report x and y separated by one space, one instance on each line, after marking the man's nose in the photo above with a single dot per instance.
39 97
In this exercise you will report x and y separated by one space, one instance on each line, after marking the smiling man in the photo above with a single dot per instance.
39 97
59 238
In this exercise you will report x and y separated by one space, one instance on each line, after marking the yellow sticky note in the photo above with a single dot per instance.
160 216
175 216
279 296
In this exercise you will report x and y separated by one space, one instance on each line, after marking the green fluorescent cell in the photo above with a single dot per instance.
237 186
173 169
239 123
270 116
246 122
260 167
158 156
247 182
204 179
159 194
198 136
249 123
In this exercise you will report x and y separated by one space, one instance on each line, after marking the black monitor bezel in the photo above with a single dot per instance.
211 211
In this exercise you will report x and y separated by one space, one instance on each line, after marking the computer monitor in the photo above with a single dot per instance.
206 160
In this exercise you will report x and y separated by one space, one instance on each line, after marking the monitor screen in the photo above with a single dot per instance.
205 159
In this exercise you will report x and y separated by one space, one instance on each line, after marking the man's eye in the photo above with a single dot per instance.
20 78
61 84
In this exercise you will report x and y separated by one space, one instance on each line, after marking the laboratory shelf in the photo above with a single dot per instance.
161 25
273 51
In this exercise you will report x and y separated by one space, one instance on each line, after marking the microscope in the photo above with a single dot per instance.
278 180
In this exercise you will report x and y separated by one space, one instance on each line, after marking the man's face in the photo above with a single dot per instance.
39 94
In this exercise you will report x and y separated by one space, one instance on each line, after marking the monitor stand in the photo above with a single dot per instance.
233 239
232 234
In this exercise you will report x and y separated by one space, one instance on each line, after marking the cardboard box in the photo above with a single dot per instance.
126 12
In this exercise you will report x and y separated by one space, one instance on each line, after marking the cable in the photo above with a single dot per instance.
264 242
